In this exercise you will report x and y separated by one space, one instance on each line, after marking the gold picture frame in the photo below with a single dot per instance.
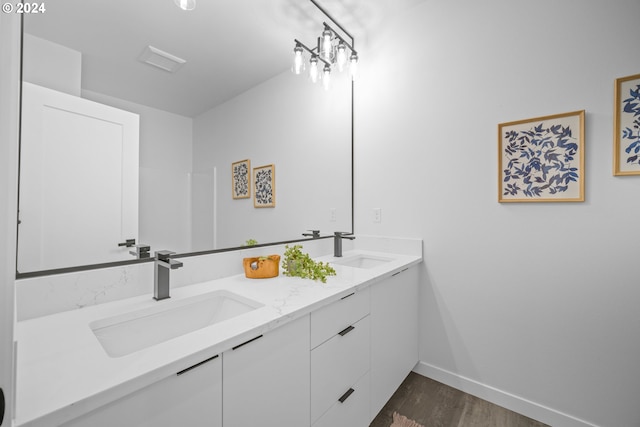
264 186
626 117
542 159
240 185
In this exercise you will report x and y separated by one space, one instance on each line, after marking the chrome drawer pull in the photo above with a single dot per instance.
246 342
346 330
346 395
184 371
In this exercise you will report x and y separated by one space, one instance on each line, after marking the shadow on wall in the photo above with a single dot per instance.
437 325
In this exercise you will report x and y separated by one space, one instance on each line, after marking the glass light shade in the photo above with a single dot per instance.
298 61
326 77
313 69
185 4
353 66
326 44
341 56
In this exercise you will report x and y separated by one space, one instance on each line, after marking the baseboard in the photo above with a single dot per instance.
512 402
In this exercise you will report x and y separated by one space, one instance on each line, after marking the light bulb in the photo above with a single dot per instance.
353 66
186 4
298 62
326 77
326 43
313 69
341 57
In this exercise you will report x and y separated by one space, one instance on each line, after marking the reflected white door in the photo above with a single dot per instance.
78 181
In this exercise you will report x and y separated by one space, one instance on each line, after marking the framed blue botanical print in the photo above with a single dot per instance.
240 185
542 159
626 145
264 186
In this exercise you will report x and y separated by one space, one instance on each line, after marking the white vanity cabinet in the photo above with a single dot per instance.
394 334
340 337
266 379
192 397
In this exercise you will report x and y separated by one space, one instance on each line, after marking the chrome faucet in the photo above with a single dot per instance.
337 242
163 264
314 233
141 251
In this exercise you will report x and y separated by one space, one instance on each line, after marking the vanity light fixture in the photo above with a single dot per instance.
185 4
298 60
331 49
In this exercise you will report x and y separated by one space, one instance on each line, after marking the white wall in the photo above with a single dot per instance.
165 174
534 306
51 65
302 129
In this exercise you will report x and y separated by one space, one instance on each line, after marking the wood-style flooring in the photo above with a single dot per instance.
434 404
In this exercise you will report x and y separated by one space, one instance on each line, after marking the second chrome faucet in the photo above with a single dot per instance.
163 264
337 241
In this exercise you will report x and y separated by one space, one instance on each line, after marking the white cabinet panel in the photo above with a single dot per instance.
329 320
266 380
394 334
193 398
337 364
352 411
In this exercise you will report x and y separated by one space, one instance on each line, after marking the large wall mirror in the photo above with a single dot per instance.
133 114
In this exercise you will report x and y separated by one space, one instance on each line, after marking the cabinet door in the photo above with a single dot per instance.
189 398
394 334
266 380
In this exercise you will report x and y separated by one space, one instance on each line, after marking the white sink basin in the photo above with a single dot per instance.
129 332
363 261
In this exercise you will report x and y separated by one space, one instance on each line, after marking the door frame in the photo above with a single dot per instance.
10 77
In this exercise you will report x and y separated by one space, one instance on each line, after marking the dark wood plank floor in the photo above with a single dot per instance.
434 404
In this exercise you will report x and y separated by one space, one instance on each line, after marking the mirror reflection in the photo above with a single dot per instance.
135 112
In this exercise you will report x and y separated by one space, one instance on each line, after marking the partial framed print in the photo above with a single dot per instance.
542 159
240 185
264 186
626 145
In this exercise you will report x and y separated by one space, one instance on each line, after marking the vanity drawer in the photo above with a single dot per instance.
338 364
352 409
328 321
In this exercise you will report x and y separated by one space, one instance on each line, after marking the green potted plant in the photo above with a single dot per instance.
299 264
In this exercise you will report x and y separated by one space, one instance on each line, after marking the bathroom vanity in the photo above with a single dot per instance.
282 351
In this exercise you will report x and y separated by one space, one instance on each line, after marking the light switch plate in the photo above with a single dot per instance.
332 215
377 215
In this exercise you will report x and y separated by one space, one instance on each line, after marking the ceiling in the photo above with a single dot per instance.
229 45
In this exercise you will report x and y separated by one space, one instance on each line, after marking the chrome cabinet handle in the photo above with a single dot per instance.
246 342
398 272
346 330
184 371
128 243
346 395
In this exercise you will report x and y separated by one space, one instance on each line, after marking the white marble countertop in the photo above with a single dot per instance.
63 371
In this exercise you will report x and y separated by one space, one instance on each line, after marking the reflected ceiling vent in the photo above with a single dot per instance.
163 60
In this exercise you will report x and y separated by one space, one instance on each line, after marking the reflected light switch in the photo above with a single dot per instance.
377 215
